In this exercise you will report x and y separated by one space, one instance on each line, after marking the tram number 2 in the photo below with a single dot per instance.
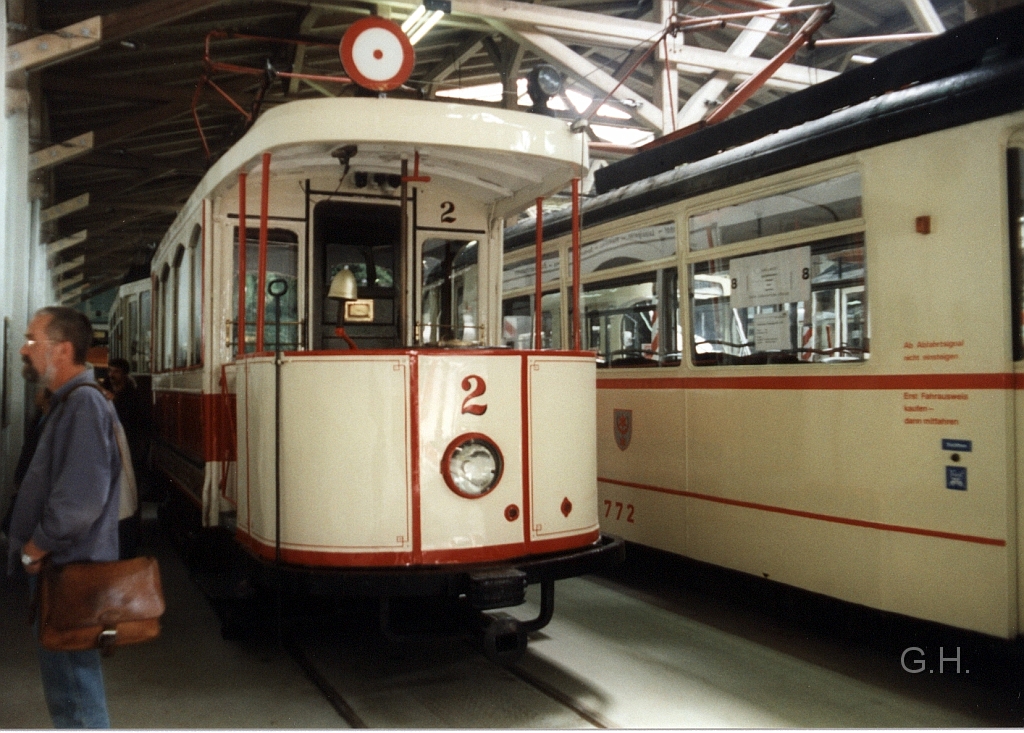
476 387
616 510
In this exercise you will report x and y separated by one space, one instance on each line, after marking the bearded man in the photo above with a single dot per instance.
67 506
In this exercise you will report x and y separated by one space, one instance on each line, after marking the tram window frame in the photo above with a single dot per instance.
458 285
729 224
519 334
278 238
182 306
663 300
145 330
196 307
636 246
847 294
1015 210
166 319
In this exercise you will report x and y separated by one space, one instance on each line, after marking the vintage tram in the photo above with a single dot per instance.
328 377
810 343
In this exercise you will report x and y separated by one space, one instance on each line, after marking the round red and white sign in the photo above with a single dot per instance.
377 54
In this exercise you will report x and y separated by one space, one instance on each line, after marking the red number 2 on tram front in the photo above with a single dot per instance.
474 392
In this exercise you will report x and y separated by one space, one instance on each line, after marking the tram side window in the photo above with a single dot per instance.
282 264
827 202
167 323
517 312
645 244
1015 179
196 252
145 331
131 339
450 308
517 321
182 277
629 321
785 306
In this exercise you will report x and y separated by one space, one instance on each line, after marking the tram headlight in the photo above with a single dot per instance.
472 465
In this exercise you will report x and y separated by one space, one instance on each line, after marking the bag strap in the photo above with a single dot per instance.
110 407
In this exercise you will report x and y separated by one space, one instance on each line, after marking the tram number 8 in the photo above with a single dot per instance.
619 507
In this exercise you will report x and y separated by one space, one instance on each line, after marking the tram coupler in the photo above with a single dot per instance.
504 638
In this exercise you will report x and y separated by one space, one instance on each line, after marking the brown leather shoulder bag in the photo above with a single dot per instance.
99 605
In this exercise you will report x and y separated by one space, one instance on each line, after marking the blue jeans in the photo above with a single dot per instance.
72 684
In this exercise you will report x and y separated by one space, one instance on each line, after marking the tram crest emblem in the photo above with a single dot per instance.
623 428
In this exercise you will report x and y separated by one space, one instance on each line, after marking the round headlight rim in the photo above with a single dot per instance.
457 443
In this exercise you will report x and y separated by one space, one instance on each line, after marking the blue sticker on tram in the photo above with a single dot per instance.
964 446
956 478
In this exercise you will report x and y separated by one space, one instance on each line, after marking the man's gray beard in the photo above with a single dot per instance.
28 371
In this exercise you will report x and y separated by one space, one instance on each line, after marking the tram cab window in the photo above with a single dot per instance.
517 321
629 322
795 305
450 309
365 239
282 264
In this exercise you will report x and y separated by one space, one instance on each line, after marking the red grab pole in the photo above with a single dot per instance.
577 317
261 301
537 314
242 241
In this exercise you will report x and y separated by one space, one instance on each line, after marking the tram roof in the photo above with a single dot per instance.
993 84
501 157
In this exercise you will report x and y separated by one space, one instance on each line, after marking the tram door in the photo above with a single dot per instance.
366 239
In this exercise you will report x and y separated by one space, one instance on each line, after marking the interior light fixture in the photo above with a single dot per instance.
421 20
860 59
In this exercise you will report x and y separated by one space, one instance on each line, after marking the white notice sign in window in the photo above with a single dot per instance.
771 332
773 278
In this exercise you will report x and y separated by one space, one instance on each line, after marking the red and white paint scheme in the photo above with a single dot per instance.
404 436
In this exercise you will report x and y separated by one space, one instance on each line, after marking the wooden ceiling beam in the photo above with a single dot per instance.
123 23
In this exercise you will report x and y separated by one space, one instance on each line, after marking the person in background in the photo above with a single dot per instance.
131 412
67 507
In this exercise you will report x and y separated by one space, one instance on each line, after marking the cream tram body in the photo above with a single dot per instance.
326 457
858 435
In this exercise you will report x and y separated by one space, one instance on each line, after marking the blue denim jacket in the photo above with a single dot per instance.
68 500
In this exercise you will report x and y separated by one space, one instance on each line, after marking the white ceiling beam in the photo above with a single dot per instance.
924 14
614 32
745 44
586 72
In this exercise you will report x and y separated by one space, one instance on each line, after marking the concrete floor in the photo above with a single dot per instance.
636 651
188 678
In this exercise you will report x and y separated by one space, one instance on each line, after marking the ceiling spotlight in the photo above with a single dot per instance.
543 83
